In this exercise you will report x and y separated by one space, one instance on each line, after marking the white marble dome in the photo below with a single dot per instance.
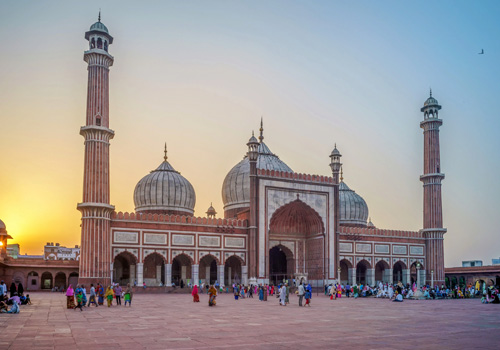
165 190
236 186
353 208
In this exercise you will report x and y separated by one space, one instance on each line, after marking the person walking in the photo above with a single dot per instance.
194 294
109 296
347 290
301 293
70 301
308 298
118 294
92 295
283 295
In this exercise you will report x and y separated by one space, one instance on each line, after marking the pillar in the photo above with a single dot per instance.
244 275
132 275
352 276
195 269
140 273
370 277
184 273
220 274
158 274
168 275
422 276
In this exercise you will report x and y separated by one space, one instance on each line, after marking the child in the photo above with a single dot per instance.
128 296
28 300
79 301
308 298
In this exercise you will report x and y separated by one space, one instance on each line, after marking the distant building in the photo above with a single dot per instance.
13 250
495 261
471 263
53 251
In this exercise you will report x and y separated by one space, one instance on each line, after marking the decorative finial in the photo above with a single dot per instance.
99 18
261 137
165 156
253 134
430 89
341 174
297 196
335 145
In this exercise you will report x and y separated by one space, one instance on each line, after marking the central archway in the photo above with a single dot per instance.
361 271
154 270
281 264
208 269
181 269
124 268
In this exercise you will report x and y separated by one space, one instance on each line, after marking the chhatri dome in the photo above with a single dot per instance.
164 191
353 208
236 185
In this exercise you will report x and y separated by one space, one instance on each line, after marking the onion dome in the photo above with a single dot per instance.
99 27
2 225
211 213
353 208
164 191
236 185
431 104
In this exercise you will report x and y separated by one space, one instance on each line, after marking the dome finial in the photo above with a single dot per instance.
430 92
99 17
261 137
341 174
165 151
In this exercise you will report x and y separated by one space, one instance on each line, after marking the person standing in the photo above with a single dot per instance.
118 294
347 290
287 296
3 289
194 293
308 298
79 300
92 295
212 294
128 295
301 293
70 293
261 293
20 289
283 295
13 289
309 289
109 296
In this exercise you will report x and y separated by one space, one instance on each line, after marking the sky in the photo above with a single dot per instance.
199 75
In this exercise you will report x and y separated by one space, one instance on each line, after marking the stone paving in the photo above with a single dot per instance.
173 321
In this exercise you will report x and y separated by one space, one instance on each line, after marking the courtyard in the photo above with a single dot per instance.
173 321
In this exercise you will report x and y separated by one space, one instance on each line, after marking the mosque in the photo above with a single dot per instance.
277 224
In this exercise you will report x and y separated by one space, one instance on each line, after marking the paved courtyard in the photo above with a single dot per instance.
173 321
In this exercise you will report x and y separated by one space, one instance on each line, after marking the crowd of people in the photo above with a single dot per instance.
77 298
17 298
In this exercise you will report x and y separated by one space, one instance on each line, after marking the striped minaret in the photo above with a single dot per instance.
433 212
95 254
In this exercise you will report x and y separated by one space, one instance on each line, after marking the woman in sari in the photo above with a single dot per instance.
109 295
128 295
339 291
194 293
236 292
261 293
212 294
100 293
70 300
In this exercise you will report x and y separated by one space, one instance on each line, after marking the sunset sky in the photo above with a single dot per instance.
200 74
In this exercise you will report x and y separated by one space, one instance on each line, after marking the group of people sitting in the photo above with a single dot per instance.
17 298
77 298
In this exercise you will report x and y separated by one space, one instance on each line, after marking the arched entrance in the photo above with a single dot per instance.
60 281
46 280
208 269
381 269
281 264
232 270
397 272
124 268
154 270
301 224
181 269
344 265
361 271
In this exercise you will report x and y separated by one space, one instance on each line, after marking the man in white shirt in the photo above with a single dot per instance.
3 288
301 294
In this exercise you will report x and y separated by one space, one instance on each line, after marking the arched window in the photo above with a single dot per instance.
106 45
99 43
98 121
92 43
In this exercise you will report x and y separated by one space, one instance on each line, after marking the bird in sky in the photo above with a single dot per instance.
482 52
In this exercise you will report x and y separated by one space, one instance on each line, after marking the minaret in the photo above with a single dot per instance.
336 167
433 213
95 258
253 236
